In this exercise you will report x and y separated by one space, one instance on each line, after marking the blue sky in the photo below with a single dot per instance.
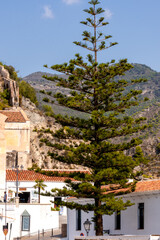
38 32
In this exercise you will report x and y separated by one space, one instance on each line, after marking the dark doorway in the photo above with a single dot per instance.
24 197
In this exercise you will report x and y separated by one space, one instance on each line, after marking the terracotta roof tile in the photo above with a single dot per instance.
149 185
13 116
142 186
26 175
68 171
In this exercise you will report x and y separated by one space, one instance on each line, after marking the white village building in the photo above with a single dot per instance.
26 191
28 216
142 218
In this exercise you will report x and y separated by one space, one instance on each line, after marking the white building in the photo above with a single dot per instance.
142 218
26 219
26 182
28 216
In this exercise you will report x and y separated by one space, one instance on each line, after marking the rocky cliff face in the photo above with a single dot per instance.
39 151
11 85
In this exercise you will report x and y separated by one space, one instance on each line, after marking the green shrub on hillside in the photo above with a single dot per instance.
49 93
42 91
48 110
4 97
27 91
45 99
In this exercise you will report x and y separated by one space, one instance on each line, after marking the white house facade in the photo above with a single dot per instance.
26 190
26 219
142 218
27 216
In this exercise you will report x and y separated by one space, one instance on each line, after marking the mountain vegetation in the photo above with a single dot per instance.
25 89
150 89
4 97
94 89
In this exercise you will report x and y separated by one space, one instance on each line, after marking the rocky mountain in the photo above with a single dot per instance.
151 110
151 88
41 127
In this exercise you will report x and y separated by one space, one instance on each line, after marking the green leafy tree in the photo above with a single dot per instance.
40 186
96 91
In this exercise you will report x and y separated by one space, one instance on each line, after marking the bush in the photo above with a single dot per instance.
27 91
48 110
158 148
55 209
4 97
49 93
42 91
45 99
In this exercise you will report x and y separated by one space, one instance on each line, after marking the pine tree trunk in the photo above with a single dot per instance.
98 217
98 220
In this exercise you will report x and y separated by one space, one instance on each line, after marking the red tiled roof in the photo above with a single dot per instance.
142 186
68 171
26 175
149 185
13 116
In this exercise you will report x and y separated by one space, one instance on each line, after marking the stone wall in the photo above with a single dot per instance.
2 156
17 138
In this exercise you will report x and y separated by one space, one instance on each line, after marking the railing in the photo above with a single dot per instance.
45 234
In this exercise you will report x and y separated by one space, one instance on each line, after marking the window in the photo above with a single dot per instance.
25 221
78 219
117 220
141 216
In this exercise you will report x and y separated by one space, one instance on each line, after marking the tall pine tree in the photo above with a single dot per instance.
97 142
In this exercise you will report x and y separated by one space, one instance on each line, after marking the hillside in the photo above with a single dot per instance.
151 109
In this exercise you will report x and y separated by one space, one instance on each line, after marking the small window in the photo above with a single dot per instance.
141 216
78 220
25 221
117 220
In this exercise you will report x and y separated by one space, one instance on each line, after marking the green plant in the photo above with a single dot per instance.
55 209
95 90
27 91
49 93
41 186
45 99
48 110
158 147
42 91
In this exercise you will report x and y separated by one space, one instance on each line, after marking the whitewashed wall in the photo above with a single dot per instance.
28 185
71 224
129 217
41 217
